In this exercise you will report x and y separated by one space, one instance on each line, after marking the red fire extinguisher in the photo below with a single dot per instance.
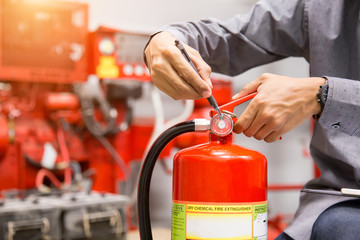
219 188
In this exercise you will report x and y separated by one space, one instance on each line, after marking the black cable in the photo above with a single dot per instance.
32 162
94 126
99 131
128 119
147 170
115 155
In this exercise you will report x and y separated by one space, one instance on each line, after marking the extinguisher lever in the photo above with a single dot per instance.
223 124
229 107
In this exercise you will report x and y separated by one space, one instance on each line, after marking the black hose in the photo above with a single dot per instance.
147 170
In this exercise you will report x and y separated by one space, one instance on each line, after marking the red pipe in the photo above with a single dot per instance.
65 156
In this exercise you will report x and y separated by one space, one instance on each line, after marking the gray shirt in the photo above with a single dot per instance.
327 34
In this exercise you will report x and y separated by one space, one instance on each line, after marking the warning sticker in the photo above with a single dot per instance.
178 215
216 221
107 67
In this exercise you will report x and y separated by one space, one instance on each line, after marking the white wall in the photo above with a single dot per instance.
149 15
287 164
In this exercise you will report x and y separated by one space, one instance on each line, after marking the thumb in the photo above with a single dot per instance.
251 87
201 66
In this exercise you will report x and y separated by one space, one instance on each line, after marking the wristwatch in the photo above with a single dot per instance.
323 93
322 97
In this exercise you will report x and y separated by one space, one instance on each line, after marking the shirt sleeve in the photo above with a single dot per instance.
274 29
342 107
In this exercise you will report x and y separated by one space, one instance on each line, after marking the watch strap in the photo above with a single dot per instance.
322 97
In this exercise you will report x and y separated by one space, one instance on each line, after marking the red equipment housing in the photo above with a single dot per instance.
4 133
117 55
43 41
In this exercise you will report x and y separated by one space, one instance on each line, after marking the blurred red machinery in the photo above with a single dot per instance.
53 116
116 54
42 52
66 99
43 41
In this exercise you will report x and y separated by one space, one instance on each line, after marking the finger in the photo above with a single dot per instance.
245 119
258 123
264 123
248 88
177 92
273 137
184 68
184 90
167 80
202 67
193 78
263 132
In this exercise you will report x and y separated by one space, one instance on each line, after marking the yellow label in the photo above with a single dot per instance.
243 221
107 67
219 208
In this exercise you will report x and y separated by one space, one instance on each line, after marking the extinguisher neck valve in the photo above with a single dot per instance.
221 139
202 125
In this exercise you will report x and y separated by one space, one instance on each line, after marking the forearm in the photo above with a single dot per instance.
268 33
218 50
342 108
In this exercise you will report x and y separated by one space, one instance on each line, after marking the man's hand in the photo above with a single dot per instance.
282 103
172 74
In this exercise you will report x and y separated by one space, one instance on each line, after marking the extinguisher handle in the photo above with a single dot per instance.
229 107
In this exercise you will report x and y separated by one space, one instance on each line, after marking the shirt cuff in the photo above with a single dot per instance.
173 32
342 108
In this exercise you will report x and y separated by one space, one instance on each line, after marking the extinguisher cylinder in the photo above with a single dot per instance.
219 192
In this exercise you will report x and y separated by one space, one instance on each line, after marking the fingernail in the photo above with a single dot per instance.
211 85
235 96
206 94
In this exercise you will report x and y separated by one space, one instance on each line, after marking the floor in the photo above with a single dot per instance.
158 234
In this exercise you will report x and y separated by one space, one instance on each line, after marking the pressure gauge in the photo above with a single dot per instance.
221 125
106 46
